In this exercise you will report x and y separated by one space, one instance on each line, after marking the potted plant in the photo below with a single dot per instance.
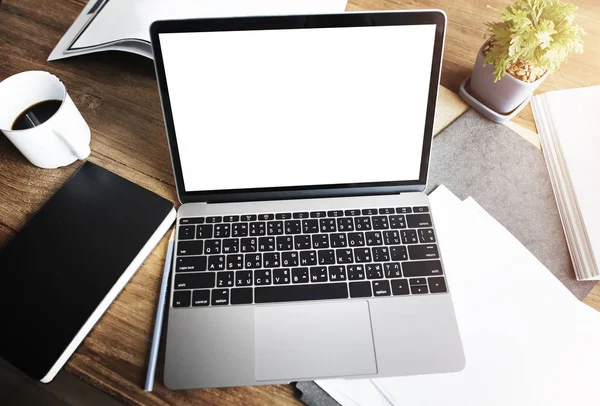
530 42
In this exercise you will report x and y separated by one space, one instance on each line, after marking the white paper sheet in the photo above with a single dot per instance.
353 392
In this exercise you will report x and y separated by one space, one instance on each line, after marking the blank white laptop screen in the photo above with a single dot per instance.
299 107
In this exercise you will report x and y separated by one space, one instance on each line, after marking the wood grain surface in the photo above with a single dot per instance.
118 97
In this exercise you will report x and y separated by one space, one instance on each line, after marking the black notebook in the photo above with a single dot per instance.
70 261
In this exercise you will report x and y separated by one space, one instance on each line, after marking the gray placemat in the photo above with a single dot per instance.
508 177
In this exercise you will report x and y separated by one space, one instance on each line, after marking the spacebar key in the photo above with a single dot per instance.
300 292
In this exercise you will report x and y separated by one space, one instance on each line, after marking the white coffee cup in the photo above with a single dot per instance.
60 140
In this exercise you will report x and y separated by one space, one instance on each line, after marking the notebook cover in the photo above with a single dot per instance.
65 260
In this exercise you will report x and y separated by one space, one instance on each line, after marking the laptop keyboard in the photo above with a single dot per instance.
285 257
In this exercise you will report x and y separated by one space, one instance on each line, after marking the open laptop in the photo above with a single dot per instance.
305 244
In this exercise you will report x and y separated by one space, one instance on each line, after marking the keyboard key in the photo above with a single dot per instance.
283 216
202 280
188 264
338 240
308 258
318 274
403 210
200 297
437 284
317 214
249 244
397 221
239 230
422 268
337 273
344 256
231 219
266 244
216 262
327 225
214 219
391 237
381 254
380 223
224 279
222 230
417 220
326 257
182 299
289 258
381 288
231 245
360 289
356 272
204 231
192 220
335 213
362 223
302 242
266 217
262 277
320 241
189 247
281 276
345 224
241 296
374 238
300 215
368 212
399 286
275 228
374 271
271 259
212 247
243 278
423 251
409 236
235 261
186 232
356 239
310 226
398 253
317 291
285 243
354 212
392 270
258 228
387 210
293 227
420 209
248 217
362 255
299 275
220 297
253 261
426 235
420 289
417 281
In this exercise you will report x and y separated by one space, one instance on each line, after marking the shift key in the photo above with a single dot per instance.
422 268
195 280
424 251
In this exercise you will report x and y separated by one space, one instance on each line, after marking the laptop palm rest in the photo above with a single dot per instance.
312 340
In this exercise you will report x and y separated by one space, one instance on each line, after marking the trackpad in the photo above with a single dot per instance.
314 340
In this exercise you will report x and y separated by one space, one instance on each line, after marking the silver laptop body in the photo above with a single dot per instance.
305 246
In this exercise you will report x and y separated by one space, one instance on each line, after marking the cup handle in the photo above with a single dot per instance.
77 149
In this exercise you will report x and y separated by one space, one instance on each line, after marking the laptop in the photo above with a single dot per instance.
305 244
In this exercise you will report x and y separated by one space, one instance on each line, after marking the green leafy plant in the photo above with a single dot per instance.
533 38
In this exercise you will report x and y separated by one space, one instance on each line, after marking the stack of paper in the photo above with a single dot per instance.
527 339
569 127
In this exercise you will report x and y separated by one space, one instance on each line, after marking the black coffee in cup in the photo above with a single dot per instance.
36 114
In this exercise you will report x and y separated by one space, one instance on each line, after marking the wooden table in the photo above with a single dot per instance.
118 97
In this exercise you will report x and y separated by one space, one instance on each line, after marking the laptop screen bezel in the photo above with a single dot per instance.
433 17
